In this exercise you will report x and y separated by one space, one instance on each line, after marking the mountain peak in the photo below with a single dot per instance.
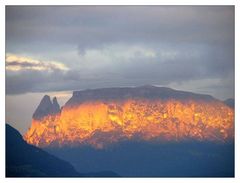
56 106
46 107
45 97
54 99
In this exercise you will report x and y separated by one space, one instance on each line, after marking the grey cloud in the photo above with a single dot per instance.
136 72
23 82
92 27
40 81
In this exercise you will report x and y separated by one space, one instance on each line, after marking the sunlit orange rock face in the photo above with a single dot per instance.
102 122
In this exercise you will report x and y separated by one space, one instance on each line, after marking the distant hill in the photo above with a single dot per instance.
230 102
24 160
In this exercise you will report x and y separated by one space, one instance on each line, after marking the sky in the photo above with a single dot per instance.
57 49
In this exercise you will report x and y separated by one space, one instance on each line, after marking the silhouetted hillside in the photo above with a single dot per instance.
24 160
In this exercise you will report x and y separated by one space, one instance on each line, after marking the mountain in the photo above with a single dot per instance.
100 117
46 107
230 102
24 160
140 131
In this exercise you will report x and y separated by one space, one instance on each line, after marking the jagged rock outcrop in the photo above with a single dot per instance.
46 107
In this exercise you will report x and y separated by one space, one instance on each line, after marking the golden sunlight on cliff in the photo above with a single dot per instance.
99 123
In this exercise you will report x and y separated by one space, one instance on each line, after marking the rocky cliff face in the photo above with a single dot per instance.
104 116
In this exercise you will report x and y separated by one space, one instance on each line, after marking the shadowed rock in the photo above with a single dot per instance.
46 107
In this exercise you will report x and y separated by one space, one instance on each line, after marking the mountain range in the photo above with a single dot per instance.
145 131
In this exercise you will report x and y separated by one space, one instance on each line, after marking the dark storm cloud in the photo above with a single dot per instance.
174 44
